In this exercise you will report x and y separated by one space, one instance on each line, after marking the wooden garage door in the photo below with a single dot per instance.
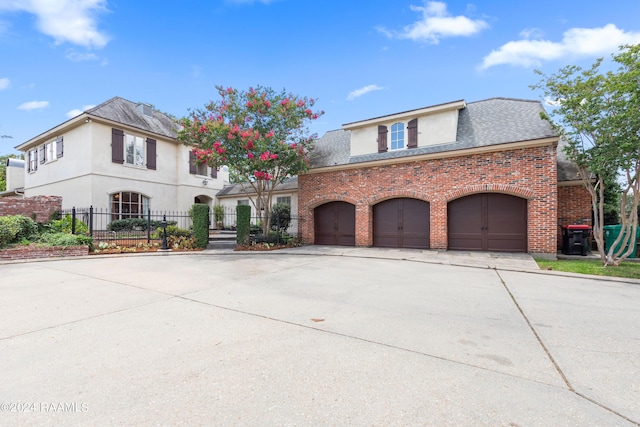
401 223
335 224
488 222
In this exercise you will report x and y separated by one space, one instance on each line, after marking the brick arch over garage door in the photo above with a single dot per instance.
401 223
335 224
487 222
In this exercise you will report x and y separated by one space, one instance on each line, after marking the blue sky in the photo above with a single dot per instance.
360 59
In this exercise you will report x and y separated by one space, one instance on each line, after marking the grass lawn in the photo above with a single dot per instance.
626 269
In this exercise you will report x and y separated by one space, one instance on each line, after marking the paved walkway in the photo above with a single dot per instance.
315 336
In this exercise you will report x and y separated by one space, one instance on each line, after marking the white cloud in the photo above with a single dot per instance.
576 43
76 56
436 23
33 105
72 21
359 92
4 83
76 112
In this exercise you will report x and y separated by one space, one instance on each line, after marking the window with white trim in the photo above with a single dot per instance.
133 150
397 136
284 200
127 204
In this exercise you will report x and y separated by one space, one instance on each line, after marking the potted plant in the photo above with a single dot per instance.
218 215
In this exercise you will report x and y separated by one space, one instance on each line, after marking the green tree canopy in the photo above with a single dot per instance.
260 134
597 114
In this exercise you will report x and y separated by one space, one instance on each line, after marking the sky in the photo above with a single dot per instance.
360 59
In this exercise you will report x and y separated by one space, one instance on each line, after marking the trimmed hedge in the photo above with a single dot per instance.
200 215
243 224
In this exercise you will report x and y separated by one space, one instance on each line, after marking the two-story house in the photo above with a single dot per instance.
460 176
119 156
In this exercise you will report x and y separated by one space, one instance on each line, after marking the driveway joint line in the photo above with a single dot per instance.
553 361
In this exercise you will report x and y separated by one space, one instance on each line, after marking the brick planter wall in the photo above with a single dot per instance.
527 172
40 206
36 252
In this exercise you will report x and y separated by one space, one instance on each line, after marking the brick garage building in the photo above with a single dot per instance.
477 176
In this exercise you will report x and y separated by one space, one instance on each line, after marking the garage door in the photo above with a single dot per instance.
335 224
488 222
401 223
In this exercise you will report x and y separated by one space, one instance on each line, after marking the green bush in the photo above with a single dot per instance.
63 225
280 217
131 224
200 216
15 228
65 239
172 230
243 229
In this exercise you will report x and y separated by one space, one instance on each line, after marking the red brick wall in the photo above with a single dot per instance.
35 252
528 172
41 206
574 207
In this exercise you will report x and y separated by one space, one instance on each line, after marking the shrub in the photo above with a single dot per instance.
172 230
64 225
243 215
182 242
130 224
280 217
199 213
14 228
65 239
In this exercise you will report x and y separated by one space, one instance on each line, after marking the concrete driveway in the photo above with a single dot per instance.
327 338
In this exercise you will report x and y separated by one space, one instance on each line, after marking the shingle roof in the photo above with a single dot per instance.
129 113
484 123
289 184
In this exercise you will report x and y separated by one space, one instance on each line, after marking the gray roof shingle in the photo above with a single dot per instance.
483 123
289 184
128 113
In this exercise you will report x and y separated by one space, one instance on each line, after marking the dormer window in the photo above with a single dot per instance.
397 136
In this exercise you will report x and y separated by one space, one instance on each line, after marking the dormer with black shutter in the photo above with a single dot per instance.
408 130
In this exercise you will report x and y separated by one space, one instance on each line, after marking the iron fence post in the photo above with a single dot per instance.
164 232
148 226
73 220
91 220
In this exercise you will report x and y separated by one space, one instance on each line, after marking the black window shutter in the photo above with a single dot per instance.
412 128
29 161
35 159
43 153
59 147
151 153
117 146
382 139
214 172
192 163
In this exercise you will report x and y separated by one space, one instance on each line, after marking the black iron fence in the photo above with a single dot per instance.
124 229
129 229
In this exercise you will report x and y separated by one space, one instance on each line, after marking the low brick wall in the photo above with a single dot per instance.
36 252
40 207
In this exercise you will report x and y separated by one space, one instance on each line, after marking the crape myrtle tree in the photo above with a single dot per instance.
260 134
599 116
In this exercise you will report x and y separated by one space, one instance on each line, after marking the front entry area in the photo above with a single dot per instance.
487 222
335 224
401 223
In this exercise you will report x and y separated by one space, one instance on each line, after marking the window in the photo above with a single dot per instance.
134 150
33 160
127 204
243 202
201 169
397 136
284 200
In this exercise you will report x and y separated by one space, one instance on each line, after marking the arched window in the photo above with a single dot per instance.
397 136
127 204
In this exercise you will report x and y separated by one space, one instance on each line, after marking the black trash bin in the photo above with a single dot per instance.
575 239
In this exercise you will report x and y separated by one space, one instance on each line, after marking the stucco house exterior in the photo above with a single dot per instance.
119 156
238 194
460 176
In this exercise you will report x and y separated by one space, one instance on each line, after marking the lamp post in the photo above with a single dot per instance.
164 232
